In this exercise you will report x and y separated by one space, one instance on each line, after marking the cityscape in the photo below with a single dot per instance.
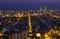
30 24
29 19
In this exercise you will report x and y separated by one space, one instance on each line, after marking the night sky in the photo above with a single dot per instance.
28 4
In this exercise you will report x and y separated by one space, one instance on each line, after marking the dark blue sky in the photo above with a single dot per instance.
28 4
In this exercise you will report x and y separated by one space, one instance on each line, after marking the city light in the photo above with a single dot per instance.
34 38
59 34
38 34
41 17
30 34
47 37
1 34
18 15
7 15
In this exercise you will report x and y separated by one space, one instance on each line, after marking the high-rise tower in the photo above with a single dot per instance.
40 8
45 8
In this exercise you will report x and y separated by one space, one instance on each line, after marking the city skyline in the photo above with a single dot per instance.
29 19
